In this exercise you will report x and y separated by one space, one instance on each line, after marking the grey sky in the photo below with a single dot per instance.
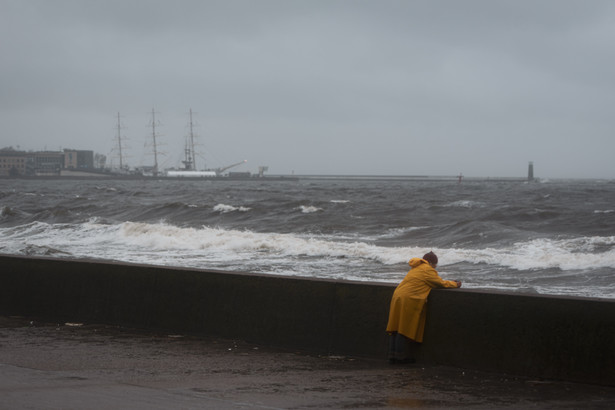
478 87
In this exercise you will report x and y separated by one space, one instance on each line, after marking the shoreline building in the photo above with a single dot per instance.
14 163
45 163
78 159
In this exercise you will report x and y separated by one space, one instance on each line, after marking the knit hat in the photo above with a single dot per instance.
431 258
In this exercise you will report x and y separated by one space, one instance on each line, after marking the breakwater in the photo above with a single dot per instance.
539 336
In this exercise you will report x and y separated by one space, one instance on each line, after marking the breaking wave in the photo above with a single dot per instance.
143 242
552 238
222 208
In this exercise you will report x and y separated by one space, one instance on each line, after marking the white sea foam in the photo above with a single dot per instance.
466 204
399 232
532 255
223 208
165 237
565 254
147 240
308 255
308 209
322 240
105 188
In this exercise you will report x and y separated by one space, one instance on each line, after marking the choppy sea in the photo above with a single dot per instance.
549 237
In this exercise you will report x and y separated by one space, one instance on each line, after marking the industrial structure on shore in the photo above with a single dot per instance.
16 163
83 163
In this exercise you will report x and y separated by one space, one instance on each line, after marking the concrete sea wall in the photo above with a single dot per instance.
538 336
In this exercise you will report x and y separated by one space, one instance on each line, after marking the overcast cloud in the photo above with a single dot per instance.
434 87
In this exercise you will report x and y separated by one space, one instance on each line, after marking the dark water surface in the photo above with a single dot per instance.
553 237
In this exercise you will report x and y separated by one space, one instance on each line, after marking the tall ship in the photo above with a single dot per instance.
190 170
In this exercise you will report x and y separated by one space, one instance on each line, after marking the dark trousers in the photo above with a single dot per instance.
399 347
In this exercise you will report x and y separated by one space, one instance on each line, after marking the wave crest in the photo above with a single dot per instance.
223 208
567 254
309 209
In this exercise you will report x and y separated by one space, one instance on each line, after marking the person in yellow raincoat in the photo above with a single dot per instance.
408 305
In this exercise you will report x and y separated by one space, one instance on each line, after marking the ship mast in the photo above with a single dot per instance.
120 148
155 170
119 140
189 152
193 154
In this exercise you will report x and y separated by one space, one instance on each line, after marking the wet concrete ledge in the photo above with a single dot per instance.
539 336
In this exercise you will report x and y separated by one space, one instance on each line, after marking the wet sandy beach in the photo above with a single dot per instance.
94 366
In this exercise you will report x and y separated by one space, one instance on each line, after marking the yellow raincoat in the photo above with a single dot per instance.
408 311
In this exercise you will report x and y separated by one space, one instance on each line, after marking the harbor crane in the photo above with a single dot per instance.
222 169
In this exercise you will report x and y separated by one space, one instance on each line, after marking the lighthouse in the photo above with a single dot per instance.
530 172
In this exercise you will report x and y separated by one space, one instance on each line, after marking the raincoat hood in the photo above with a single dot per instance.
414 262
